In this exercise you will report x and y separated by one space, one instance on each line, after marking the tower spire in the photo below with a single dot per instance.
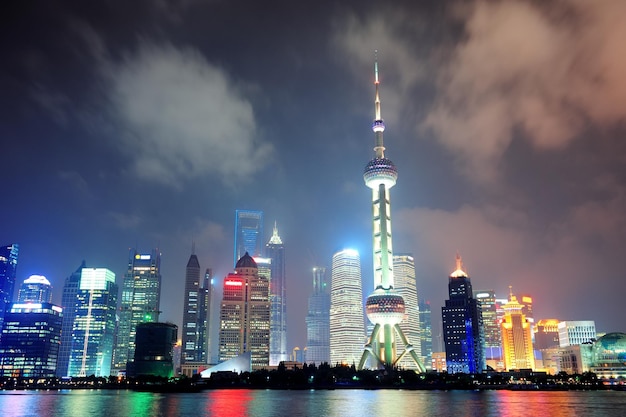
379 125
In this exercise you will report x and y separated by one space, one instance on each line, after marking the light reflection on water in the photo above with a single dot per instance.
337 403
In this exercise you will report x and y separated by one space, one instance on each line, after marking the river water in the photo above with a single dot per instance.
333 403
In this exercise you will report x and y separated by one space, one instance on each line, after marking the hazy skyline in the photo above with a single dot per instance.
146 124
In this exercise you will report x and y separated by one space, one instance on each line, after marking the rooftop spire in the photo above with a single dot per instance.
275 239
460 269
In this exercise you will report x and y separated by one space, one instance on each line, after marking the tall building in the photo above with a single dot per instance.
204 306
517 345
35 289
426 333
68 302
491 326
248 233
8 268
245 314
93 330
275 250
318 320
462 325
347 327
385 307
30 340
406 286
576 332
194 315
213 320
141 296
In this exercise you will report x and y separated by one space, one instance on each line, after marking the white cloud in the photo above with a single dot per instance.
185 117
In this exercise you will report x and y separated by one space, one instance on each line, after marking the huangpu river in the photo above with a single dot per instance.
328 403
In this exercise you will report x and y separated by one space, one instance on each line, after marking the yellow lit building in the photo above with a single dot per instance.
516 337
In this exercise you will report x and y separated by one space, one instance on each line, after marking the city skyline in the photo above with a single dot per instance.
515 160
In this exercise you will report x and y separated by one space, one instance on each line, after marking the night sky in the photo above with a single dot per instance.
147 123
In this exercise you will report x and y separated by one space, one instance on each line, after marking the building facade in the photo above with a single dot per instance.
93 329
154 351
275 250
8 273
406 286
248 233
547 334
462 325
30 340
245 314
140 303
318 320
347 327
517 346
35 289
576 332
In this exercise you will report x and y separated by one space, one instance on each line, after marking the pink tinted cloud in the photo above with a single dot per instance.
544 70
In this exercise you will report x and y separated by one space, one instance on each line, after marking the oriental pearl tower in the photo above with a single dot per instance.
385 307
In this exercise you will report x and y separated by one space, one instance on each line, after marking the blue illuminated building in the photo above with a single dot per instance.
248 233
68 302
8 266
30 340
462 325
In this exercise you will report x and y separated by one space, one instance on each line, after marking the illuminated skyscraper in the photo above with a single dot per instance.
68 302
8 266
35 289
517 344
278 299
406 286
245 314
93 329
141 296
426 333
248 233
385 307
491 326
462 325
30 340
347 327
194 318
318 320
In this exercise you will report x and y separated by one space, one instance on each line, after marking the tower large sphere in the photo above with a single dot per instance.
380 171
385 307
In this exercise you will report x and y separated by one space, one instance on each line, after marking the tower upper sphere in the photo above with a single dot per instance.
379 170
